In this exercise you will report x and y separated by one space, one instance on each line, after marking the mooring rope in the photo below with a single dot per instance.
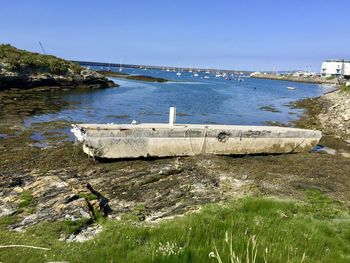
189 136
314 131
202 149
204 140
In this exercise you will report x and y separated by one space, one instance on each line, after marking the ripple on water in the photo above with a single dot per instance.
213 100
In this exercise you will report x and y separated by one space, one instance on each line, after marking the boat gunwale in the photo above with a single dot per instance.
191 126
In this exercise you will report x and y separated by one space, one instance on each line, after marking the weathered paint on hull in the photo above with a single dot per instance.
161 140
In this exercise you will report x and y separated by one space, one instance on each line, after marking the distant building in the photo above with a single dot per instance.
336 68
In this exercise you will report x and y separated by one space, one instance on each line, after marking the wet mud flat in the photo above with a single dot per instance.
48 177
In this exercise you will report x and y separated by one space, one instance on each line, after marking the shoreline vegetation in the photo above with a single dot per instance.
290 77
270 208
109 73
27 70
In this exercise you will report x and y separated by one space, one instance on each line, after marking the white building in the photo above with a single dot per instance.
336 68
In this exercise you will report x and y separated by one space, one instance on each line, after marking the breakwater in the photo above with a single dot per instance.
309 79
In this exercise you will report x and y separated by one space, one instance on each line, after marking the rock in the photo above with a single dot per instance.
345 154
6 210
334 106
18 189
86 234
26 222
52 199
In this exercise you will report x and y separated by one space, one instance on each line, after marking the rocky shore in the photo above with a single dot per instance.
20 69
329 113
45 177
335 119
86 79
311 79
51 179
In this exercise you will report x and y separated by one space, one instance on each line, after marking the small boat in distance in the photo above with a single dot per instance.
291 88
113 141
178 71
120 65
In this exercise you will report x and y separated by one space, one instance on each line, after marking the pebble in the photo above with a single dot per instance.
346 155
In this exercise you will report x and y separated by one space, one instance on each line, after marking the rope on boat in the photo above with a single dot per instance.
189 136
313 133
62 116
204 140
202 149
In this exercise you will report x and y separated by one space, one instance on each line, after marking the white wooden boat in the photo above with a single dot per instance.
160 140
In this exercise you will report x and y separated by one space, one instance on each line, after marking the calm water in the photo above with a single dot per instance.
198 100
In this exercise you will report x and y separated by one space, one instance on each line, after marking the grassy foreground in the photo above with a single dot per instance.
245 230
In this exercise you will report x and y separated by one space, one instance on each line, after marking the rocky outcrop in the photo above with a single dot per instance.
52 197
22 69
29 80
143 193
123 75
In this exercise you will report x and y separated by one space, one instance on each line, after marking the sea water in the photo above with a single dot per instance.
239 100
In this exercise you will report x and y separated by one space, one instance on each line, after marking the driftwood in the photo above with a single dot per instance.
25 246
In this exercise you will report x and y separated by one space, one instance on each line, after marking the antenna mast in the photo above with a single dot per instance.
42 48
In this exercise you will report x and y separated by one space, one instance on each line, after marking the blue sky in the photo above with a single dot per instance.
250 34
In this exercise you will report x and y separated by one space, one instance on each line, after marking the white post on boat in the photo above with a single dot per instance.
172 116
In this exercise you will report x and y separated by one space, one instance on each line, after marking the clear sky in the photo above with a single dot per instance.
236 34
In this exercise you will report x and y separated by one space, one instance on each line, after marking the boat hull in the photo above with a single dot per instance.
162 140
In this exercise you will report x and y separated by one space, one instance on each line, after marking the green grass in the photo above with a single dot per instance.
344 88
268 230
89 196
17 59
26 199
